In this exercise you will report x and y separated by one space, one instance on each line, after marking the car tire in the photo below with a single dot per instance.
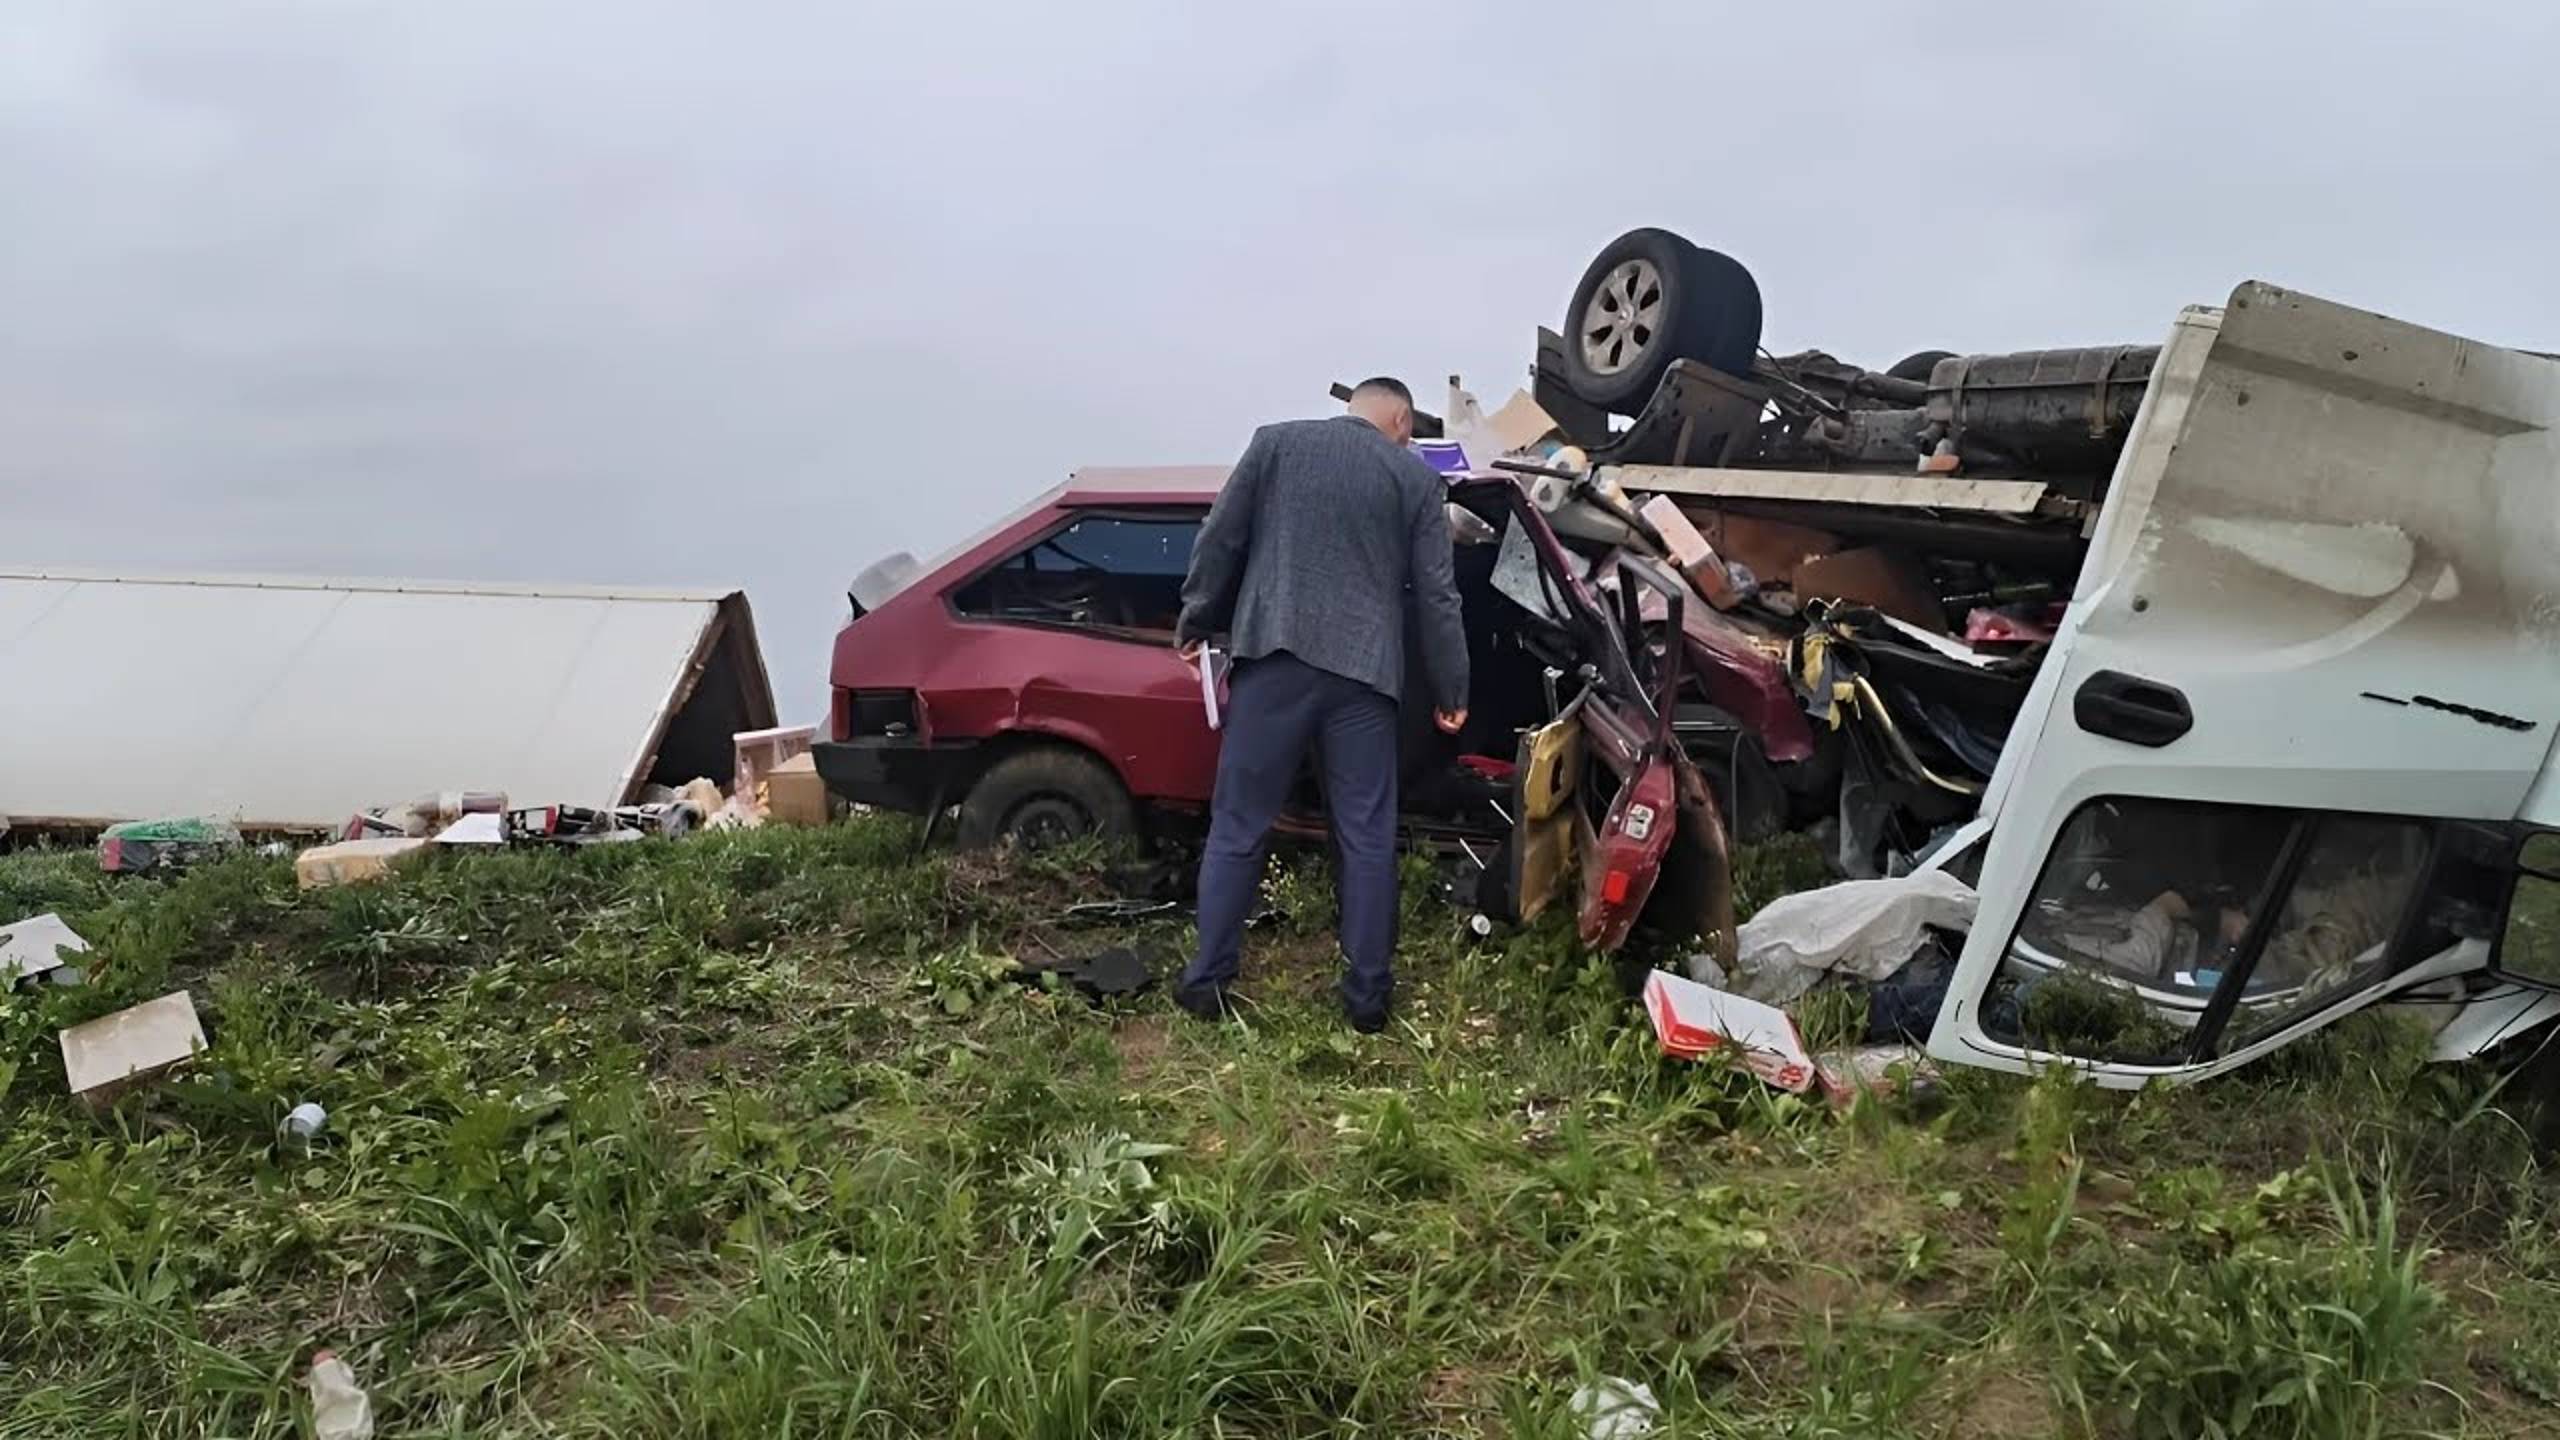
1649 299
1917 367
1043 797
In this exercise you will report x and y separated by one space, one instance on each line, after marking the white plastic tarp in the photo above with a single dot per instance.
1863 928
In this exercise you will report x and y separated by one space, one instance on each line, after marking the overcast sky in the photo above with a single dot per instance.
754 293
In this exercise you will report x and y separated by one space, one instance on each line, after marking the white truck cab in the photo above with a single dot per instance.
2291 753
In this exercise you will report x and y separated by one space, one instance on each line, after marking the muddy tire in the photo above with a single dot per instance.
1649 299
1918 367
1049 796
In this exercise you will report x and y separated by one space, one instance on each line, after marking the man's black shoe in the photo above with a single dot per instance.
1202 1002
1367 1022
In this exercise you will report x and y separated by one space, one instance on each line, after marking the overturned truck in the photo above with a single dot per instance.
2256 677
1899 542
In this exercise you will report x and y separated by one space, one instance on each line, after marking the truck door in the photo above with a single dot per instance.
2319 621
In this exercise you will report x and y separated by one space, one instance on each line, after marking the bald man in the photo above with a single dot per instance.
1326 532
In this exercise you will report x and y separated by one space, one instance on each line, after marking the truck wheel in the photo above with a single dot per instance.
1044 797
1917 367
1649 299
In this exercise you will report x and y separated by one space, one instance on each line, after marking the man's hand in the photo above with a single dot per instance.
1451 721
1189 650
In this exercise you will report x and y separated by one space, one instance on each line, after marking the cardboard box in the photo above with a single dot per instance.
112 1054
794 795
1691 1020
1770 549
1889 580
760 752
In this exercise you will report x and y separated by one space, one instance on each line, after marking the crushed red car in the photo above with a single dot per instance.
1030 681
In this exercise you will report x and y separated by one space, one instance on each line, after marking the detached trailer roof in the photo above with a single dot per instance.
291 703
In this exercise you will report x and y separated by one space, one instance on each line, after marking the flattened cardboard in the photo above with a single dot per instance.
113 1053
36 945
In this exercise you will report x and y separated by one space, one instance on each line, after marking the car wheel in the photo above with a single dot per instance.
1045 797
1917 367
1649 299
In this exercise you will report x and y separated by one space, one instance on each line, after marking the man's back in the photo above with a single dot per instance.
1323 530
1326 531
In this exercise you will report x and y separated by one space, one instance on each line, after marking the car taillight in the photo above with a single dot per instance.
1613 887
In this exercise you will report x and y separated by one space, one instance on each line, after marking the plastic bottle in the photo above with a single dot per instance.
340 1410
306 1120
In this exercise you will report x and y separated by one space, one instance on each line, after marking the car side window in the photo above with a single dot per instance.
2530 949
1105 572
2146 906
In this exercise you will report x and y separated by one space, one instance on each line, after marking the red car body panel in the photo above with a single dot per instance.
1131 701
1747 684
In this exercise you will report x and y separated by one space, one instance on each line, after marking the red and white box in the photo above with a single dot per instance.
1693 1020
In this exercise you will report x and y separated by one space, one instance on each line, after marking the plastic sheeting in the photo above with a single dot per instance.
1863 928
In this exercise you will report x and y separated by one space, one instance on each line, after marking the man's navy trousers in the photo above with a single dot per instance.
1277 707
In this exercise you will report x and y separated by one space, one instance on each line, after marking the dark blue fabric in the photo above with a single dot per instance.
1277 707
1904 1005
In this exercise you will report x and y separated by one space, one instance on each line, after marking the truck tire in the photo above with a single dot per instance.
1043 797
1649 299
1918 366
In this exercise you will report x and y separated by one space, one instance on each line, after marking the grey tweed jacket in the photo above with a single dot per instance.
1322 536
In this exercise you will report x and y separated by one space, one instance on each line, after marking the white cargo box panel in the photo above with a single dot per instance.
292 703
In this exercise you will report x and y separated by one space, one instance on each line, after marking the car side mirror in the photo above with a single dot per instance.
2528 948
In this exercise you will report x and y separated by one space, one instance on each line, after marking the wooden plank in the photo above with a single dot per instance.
1920 492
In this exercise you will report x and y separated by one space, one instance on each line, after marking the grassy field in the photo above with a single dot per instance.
746 1136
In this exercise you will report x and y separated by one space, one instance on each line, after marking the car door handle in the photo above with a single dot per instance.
2132 709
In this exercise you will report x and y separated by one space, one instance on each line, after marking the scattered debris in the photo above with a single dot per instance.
425 816
350 862
1614 1409
142 846
1873 1070
305 1121
1692 1021
480 827
1110 975
1690 552
703 797
1863 928
34 948
340 1408
581 825
109 1055
1114 912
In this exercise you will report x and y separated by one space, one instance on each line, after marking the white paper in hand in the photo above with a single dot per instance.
1213 686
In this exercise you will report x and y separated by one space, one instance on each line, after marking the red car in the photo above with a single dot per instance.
1030 680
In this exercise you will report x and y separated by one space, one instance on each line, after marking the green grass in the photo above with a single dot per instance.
747 1135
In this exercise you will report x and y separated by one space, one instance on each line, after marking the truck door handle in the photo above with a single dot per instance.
2132 709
